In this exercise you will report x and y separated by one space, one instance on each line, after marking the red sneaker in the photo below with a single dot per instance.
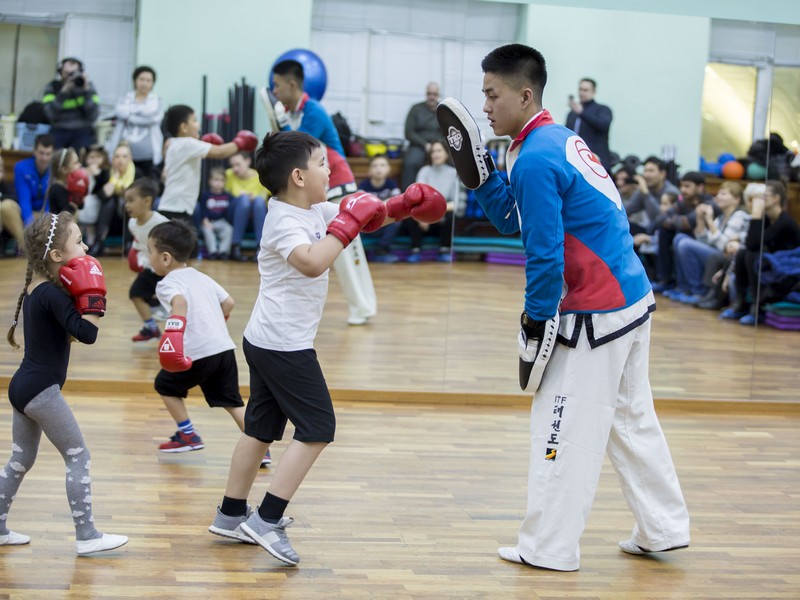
146 334
180 442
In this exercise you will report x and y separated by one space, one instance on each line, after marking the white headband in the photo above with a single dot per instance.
50 236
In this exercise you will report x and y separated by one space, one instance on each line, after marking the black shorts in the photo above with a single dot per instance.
144 287
217 376
287 386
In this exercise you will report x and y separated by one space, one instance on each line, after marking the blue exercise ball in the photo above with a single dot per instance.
725 157
314 73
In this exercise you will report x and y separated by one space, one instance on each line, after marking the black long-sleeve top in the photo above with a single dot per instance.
783 234
50 320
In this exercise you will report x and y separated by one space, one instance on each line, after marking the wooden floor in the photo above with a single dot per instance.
443 333
409 502
427 479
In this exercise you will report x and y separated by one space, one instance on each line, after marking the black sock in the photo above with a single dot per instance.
233 507
272 508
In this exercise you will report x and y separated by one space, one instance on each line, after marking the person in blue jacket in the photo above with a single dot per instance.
31 179
595 396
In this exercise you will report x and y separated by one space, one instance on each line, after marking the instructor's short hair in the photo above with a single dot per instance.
281 153
174 237
290 68
518 61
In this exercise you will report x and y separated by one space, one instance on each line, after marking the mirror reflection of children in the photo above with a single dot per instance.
382 186
97 165
215 206
249 202
139 199
442 176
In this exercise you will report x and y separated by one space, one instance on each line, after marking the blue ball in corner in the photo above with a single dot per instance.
725 157
315 75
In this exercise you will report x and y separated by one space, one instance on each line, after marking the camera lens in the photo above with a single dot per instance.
79 79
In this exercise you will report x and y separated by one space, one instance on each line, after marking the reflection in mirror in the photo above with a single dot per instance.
775 299
722 102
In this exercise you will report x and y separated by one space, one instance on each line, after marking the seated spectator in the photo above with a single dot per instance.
626 183
646 242
771 229
60 196
138 121
112 199
379 184
7 194
97 166
31 178
711 236
421 129
72 106
719 269
443 177
644 201
679 220
214 206
249 202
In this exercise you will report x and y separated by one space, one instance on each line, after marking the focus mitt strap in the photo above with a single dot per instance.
537 341
472 161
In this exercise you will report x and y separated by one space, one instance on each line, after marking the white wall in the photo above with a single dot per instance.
649 69
186 39
99 32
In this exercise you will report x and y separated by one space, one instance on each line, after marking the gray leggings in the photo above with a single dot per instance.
50 413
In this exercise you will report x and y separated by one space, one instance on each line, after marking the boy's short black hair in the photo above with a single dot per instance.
176 115
174 237
776 187
518 62
281 153
290 68
662 166
145 187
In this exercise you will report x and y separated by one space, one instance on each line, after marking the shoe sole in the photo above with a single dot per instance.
257 539
182 449
232 535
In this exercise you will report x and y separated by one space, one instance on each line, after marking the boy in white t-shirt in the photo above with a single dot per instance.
182 160
138 202
303 235
196 348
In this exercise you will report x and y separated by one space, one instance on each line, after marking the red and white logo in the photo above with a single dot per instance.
166 347
586 162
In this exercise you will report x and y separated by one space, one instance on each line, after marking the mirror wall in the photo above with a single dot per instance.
655 96
650 71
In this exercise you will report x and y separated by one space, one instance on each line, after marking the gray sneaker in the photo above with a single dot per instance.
272 537
229 527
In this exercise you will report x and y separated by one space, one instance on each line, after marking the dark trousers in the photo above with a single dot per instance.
78 139
746 269
444 228
665 261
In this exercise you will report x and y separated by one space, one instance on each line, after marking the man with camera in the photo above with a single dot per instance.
72 105
591 120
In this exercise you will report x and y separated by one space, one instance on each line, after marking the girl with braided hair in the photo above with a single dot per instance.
63 298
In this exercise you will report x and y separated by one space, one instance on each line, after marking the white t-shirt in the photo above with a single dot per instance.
289 305
140 233
182 164
206 332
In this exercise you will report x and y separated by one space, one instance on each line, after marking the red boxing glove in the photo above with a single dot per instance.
133 261
357 212
170 348
246 140
420 201
213 138
78 186
83 278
